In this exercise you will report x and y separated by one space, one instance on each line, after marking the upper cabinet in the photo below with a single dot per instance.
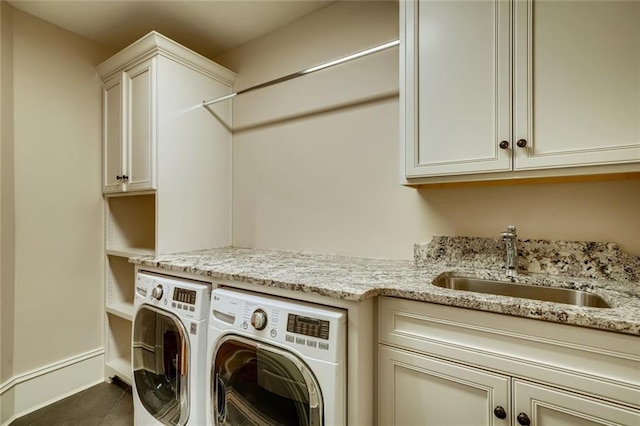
129 121
512 89
136 115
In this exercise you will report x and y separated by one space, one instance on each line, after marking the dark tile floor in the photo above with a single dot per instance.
101 405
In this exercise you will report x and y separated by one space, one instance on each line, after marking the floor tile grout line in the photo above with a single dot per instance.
124 392
117 402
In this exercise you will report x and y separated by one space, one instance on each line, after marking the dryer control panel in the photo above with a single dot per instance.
315 331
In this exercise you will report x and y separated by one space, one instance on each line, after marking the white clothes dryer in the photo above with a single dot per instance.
275 361
169 349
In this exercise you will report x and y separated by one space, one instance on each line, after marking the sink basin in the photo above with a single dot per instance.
526 291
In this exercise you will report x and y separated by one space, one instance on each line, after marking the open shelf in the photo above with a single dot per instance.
121 310
120 368
118 348
130 252
130 231
120 287
131 224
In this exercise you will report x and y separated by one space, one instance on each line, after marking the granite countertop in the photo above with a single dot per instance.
599 268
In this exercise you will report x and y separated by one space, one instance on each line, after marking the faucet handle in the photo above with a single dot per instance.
509 233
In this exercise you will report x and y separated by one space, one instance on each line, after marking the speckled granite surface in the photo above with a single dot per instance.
353 278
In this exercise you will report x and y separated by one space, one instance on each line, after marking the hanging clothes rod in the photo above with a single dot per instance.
306 71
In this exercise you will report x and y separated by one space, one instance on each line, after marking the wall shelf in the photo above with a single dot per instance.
131 224
121 310
118 348
120 287
121 368
130 252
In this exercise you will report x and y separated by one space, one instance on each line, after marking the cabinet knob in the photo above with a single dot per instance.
521 143
125 177
118 177
499 412
523 419
504 145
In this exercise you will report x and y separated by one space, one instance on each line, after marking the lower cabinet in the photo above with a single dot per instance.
416 389
440 366
537 404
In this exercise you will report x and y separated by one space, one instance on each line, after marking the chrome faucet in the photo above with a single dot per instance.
509 237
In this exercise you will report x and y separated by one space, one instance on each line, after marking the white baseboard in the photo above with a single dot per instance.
38 388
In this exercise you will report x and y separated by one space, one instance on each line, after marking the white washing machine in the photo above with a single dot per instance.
274 361
169 350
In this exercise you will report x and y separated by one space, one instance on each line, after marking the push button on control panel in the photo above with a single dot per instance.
183 307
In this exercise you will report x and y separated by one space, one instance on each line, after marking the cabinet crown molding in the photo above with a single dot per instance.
155 43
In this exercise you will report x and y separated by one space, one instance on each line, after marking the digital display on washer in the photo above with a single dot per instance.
308 326
183 295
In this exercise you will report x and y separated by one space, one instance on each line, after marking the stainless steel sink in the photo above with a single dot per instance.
526 291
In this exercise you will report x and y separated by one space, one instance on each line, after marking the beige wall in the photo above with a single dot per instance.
6 200
316 159
58 204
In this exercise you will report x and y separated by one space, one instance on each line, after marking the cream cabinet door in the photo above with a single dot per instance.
577 83
456 98
140 107
113 148
129 130
415 390
545 406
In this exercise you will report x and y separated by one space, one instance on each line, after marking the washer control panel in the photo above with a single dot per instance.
314 330
185 295
308 326
186 298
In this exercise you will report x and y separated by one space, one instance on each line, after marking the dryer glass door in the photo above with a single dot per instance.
160 358
258 384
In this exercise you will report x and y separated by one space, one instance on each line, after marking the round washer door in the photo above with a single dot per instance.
160 355
254 383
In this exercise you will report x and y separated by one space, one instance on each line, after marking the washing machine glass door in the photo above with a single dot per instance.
160 365
258 384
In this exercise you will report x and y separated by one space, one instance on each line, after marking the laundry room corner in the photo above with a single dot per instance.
51 213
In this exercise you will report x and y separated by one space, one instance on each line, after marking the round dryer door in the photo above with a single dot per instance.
160 358
258 384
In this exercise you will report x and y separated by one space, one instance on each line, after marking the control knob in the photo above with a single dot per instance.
156 293
259 319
